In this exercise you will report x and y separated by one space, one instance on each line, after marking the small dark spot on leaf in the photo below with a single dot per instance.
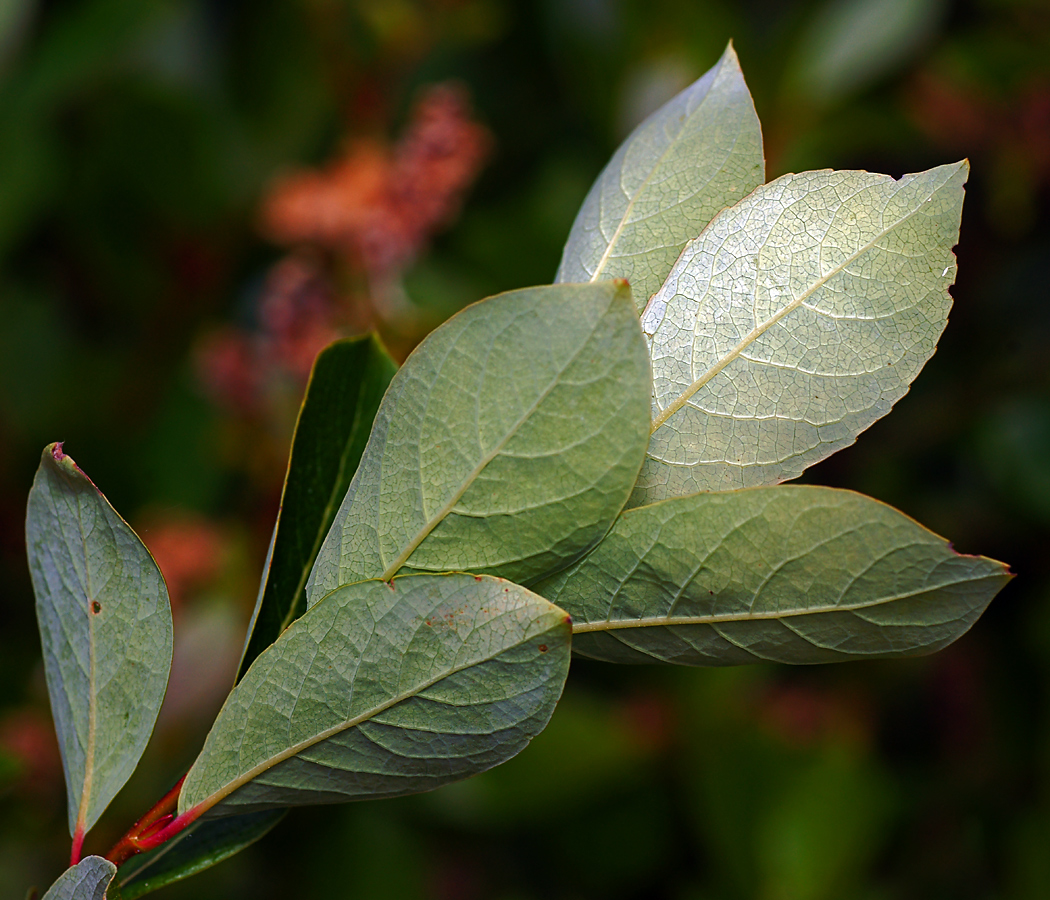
543 648
477 578
96 607
712 593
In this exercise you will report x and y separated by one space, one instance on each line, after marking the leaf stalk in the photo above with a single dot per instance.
142 835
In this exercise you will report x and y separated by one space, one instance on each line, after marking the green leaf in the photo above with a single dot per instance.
696 155
798 318
193 851
346 385
105 626
785 574
384 689
15 18
506 444
87 880
850 44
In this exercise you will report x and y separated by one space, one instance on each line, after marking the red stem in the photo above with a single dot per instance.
78 845
174 826
146 827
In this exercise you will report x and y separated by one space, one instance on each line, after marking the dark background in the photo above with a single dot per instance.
156 312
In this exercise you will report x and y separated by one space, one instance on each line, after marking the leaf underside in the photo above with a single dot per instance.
105 627
346 386
798 318
383 689
697 154
507 443
789 574
87 880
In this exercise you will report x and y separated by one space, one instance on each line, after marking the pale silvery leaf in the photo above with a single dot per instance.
507 443
789 574
696 155
798 318
87 880
105 627
383 689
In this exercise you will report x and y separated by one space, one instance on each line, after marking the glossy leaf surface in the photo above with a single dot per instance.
383 689
696 155
507 443
87 880
786 574
105 626
346 385
798 318
193 851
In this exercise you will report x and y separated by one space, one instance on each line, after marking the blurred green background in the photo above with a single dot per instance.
196 194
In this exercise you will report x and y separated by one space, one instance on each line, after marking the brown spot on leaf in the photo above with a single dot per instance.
96 607
543 648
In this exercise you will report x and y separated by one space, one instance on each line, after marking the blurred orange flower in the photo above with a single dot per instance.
377 204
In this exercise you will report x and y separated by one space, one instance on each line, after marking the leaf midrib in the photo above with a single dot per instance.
651 621
89 750
607 254
472 476
218 796
759 330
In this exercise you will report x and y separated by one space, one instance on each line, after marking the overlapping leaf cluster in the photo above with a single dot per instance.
589 465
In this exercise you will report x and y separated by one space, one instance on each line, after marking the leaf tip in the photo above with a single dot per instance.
622 290
55 455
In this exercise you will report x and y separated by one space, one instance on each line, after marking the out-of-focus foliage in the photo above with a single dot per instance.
149 321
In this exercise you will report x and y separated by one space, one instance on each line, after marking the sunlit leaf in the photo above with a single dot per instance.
87 880
696 155
507 443
786 574
383 689
193 851
105 626
346 385
798 318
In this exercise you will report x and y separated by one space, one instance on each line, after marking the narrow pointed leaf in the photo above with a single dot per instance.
696 155
193 851
346 385
87 880
785 574
798 318
506 444
105 626
383 689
